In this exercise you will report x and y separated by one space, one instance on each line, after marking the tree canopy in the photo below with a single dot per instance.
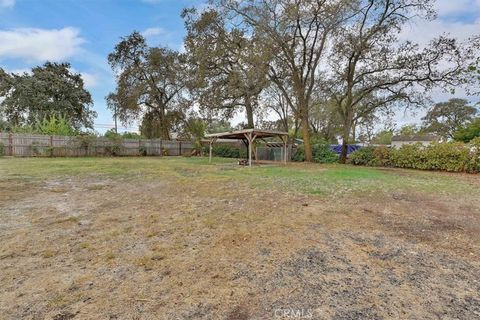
446 118
150 83
51 90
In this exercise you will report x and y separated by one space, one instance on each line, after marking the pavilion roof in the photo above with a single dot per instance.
240 134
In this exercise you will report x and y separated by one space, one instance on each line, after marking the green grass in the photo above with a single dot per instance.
333 179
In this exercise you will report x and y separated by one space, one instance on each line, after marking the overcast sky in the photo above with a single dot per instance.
83 32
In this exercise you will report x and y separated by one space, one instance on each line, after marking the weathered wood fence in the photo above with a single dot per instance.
30 145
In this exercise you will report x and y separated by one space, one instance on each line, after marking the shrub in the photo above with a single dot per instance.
381 157
451 156
321 151
2 149
363 156
143 150
228 151
409 156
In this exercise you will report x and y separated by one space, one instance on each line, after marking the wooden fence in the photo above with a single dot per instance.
30 145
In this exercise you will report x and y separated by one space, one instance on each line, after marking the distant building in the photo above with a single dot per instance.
424 139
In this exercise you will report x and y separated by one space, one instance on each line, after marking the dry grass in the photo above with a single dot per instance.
176 238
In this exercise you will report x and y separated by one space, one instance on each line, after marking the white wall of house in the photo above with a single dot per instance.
398 144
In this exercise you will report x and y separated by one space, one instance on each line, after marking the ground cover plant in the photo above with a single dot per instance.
179 238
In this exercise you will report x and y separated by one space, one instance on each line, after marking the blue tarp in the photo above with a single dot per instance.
337 148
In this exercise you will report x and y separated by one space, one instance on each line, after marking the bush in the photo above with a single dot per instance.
363 156
2 149
451 156
228 151
143 151
409 156
321 153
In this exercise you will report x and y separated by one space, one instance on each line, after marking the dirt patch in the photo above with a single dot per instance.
191 248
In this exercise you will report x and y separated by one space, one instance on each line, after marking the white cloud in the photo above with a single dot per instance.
40 44
149 32
89 79
7 3
452 7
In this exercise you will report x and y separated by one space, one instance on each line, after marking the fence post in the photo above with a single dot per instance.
161 147
180 148
51 146
10 144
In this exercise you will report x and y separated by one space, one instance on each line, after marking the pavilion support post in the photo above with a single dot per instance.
211 142
250 139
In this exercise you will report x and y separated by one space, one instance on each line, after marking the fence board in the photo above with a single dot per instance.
34 145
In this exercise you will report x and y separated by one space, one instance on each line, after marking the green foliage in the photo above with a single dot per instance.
228 151
49 90
383 137
195 130
447 117
55 126
363 156
2 149
409 156
321 153
409 130
150 85
115 146
468 133
143 151
451 156
125 135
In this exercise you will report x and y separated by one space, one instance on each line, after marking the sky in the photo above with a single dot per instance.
84 32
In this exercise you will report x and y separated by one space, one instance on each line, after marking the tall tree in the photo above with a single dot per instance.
150 83
324 120
447 117
469 132
49 91
297 33
373 69
230 65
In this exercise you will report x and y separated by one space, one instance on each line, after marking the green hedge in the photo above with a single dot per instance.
450 156
321 153
228 151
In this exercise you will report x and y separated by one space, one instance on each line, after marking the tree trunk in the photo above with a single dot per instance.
249 112
347 128
306 134
343 154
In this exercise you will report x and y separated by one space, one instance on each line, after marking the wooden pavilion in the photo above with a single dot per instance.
248 136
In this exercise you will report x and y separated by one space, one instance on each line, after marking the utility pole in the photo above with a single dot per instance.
115 116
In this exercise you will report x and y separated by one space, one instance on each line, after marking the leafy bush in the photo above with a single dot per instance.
363 156
228 151
143 150
320 150
2 149
451 156
323 154
55 126
468 133
409 156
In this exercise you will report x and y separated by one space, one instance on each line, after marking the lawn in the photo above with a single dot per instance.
179 238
